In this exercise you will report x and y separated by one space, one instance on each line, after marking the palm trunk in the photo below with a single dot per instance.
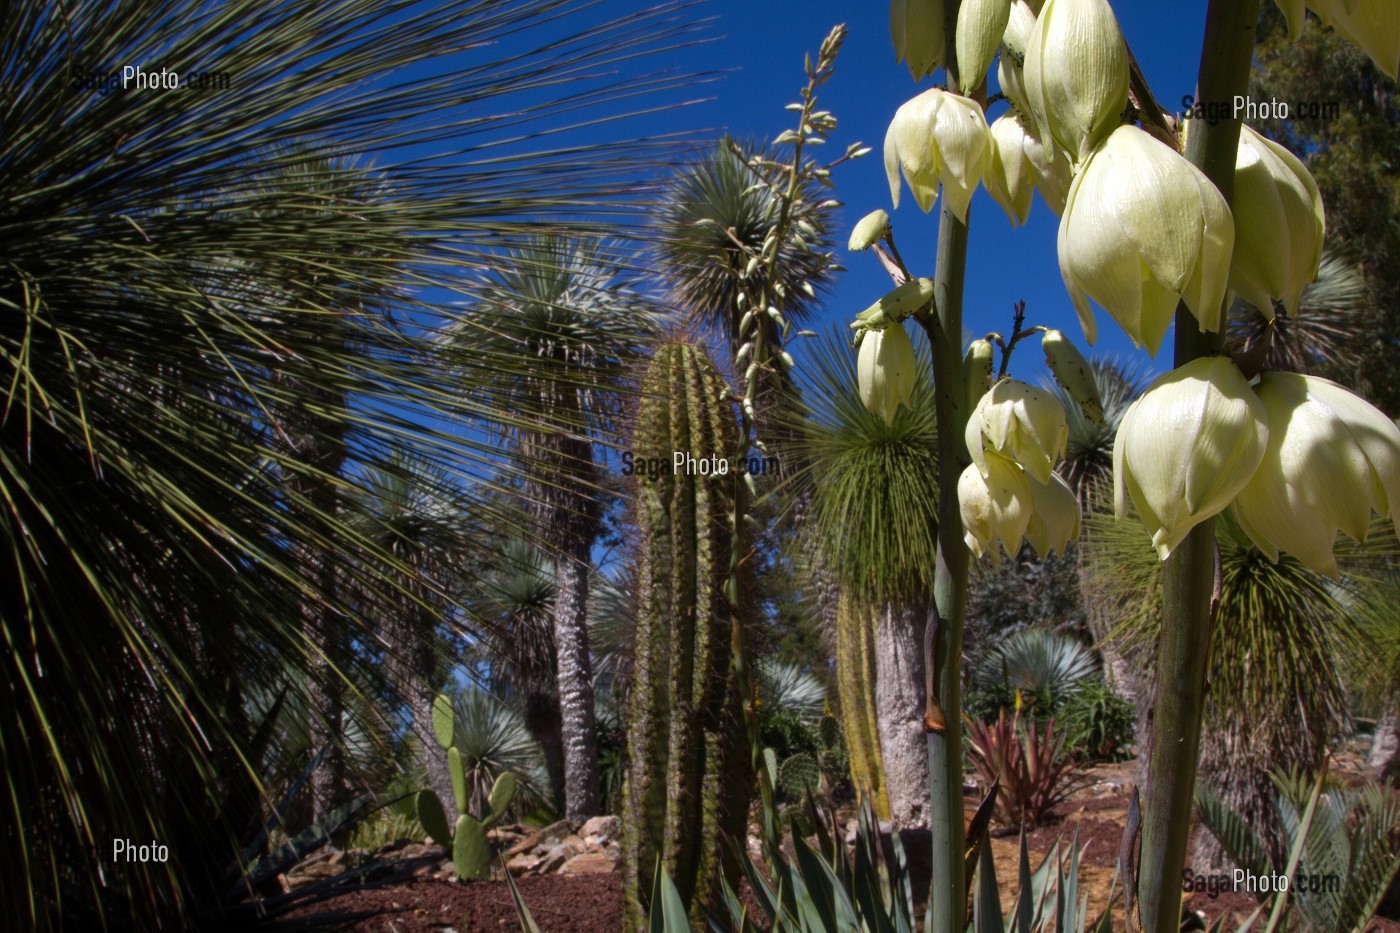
411 670
578 727
899 704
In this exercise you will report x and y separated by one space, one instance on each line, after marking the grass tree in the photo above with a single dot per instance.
574 322
154 297
872 485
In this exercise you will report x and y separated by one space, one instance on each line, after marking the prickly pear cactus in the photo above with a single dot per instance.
686 787
471 850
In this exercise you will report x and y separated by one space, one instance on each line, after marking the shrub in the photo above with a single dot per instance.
1098 724
1032 764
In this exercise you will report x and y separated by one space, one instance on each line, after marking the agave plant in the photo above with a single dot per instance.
1043 666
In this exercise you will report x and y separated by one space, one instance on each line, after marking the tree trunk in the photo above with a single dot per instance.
899 704
579 727
411 669
1384 758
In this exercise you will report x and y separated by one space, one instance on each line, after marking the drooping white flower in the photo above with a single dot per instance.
916 28
886 370
1143 229
1051 172
1278 225
1332 457
1021 422
938 137
1054 518
1072 372
979 30
996 504
1076 74
1008 178
1187 447
1372 25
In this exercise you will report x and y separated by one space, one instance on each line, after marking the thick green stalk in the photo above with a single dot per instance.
1189 574
948 887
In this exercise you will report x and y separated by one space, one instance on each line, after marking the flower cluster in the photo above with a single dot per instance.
1009 492
1296 458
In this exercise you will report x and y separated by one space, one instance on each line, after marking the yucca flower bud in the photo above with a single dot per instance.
1009 172
979 30
916 27
1054 520
1014 41
996 504
871 228
1187 447
1018 421
1143 229
1072 372
977 369
1076 74
938 137
1278 225
1332 457
886 370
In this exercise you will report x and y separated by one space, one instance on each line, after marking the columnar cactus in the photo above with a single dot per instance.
686 788
855 680
471 852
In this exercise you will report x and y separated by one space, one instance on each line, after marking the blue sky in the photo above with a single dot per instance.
764 42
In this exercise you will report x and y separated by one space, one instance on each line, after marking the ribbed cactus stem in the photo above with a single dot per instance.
685 788
855 679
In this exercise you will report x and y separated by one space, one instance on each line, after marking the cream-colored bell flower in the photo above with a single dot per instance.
1054 519
996 505
1009 172
938 137
1278 225
1015 39
916 28
1372 25
1051 172
1021 422
1076 74
1332 457
1187 447
886 370
1143 229
979 31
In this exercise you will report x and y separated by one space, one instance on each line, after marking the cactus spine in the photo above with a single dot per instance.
687 782
466 837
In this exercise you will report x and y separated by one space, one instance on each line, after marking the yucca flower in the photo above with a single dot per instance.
1015 39
916 28
979 31
1372 25
869 230
1278 225
1054 520
1145 229
1021 422
996 503
1332 457
938 137
1187 447
886 370
1076 74
1009 172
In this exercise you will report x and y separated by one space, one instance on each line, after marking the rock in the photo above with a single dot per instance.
524 864
573 845
553 860
589 863
417 851
606 827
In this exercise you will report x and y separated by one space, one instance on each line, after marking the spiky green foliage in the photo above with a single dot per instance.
873 484
1044 666
183 270
1346 860
687 782
1088 457
1331 323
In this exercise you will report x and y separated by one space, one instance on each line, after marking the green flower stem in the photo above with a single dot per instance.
1189 574
948 888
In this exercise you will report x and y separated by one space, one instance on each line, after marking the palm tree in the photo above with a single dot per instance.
873 491
162 310
574 323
